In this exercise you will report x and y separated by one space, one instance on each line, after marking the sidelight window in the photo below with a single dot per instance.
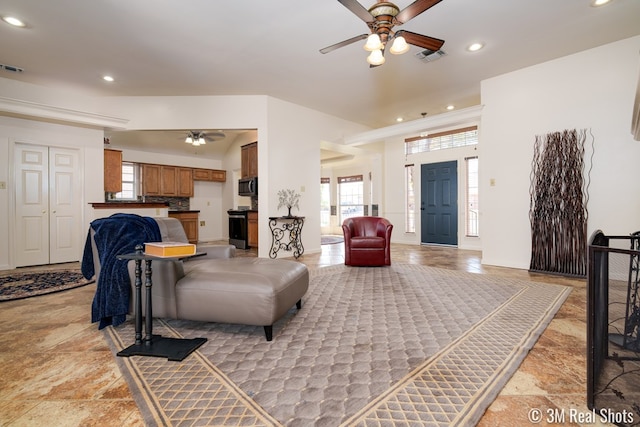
472 205
410 199
325 202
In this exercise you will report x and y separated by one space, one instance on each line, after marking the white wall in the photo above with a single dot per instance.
591 90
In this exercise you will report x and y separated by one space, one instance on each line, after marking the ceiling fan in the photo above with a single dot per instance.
196 137
381 18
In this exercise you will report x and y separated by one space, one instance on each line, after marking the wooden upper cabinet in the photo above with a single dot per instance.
249 160
218 175
209 175
112 171
202 174
151 183
185 182
161 180
169 177
175 181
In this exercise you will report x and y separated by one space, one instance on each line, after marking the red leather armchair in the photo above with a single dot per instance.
367 241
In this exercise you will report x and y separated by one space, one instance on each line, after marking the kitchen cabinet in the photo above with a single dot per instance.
252 229
185 182
168 181
151 183
249 160
189 221
112 171
163 180
215 175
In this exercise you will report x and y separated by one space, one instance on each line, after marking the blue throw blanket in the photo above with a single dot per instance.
116 235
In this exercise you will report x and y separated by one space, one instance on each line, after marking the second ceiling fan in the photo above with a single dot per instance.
381 18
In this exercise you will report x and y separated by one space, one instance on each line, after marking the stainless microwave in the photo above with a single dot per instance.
248 186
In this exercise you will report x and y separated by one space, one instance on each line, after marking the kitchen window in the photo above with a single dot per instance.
130 178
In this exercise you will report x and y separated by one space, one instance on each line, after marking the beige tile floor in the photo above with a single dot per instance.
56 368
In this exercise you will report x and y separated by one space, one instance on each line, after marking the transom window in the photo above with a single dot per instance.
442 140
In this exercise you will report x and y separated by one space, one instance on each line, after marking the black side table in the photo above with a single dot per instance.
282 227
176 349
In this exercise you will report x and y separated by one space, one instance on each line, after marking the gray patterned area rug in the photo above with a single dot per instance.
399 345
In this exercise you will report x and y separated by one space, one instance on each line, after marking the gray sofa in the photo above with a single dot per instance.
220 287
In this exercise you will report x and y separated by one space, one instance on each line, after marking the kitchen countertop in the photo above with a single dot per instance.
127 205
177 211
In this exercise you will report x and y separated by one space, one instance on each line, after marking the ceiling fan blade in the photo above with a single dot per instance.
358 10
415 9
343 43
416 39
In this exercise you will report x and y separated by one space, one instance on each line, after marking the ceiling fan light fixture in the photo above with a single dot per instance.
201 141
376 57
189 140
399 46
373 43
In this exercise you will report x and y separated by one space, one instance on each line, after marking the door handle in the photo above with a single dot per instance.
44 212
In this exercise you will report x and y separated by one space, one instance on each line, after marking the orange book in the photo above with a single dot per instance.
169 249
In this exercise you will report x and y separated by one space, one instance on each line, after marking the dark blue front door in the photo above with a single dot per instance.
439 203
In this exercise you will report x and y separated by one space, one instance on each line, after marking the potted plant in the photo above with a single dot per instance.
288 198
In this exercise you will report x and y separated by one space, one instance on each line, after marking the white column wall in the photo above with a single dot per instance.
292 161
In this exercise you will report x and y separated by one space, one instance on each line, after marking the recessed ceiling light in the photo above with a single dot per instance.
11 20
596 3
108 78
450 107
399 119
475 47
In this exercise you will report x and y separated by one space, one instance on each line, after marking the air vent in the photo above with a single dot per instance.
428 55
11 68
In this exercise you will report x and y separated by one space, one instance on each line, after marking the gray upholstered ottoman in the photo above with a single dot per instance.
249 291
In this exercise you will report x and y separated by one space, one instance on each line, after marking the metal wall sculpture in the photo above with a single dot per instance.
558 204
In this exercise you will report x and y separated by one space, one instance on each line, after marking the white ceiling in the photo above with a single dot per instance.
260 47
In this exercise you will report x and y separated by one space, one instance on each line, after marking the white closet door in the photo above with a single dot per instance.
47 205
64 204
32 205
